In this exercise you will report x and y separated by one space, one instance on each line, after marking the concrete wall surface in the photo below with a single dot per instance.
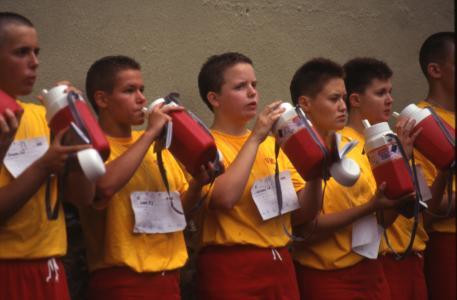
171 39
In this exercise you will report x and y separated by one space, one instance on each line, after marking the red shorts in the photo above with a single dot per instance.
406 277
118 283
38 279
440 266
245 272
364 280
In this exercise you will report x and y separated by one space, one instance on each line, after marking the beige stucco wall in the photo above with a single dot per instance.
172 38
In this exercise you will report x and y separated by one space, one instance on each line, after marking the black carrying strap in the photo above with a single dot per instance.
53 212
447 134
449 180
174 97
316 139
413 173
163 175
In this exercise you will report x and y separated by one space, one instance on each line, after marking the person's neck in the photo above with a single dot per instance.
114 129
440 98
355 121
326 136
229 127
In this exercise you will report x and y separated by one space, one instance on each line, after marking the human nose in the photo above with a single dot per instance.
252 91
34 61
140 98
389 99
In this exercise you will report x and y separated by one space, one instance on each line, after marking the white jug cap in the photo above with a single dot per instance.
412 111
376 129
91 163
346 171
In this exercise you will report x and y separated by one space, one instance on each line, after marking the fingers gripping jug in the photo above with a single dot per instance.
69 109
437 139
6 101
192 144
387 161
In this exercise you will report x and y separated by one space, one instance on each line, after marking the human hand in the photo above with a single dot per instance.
9 123
266 119
404 129
158 117
380 201
55 157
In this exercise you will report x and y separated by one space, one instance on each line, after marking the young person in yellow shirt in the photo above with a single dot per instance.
243 256
135 243
32 237
328 265
437 61
375 98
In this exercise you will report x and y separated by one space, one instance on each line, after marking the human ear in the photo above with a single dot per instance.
354 100
101 99
434 70
213 99
305 103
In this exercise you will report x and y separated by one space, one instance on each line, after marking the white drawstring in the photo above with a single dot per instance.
53 267
276 254
163 273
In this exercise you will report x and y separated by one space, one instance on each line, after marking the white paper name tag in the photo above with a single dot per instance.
21 154
263 192
366 236
154 214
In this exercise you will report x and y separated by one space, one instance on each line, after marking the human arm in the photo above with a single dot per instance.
229 186
15 194
9 123
310 199
328 224
120 170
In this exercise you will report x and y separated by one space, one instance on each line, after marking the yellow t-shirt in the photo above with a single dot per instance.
29 234
109 233
430 172
335 252
243 224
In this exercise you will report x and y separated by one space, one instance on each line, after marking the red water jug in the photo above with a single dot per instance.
386 160
301 142
192 144
6 101
437 139
64 108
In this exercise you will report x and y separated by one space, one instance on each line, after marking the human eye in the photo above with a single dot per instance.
240 86
21 52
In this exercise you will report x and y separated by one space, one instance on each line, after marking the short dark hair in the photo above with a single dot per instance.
102 74
361 71
435 49
8 18
211 76
311 77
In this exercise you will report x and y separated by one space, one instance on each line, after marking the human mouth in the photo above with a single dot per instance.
30 80
252 105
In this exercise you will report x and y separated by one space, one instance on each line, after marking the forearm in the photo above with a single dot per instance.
310 199
386 217
229 186
438 190
328 224
16 194
192 196
78 190
121 170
